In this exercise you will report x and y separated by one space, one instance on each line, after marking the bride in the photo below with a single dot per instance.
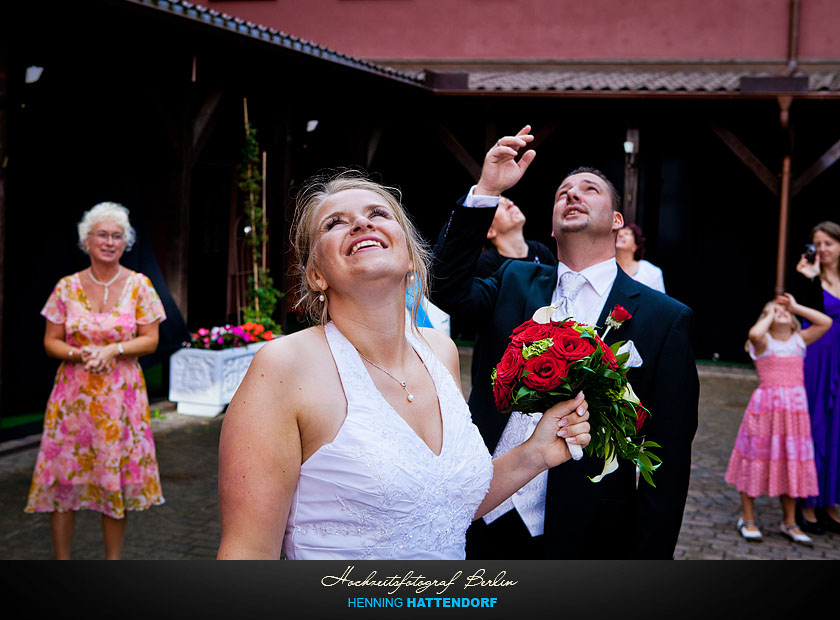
351 439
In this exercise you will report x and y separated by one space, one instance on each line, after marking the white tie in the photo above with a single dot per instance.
570 285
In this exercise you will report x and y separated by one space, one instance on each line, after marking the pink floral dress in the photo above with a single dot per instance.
97 450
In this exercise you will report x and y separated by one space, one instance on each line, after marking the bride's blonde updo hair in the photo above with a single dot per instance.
311 196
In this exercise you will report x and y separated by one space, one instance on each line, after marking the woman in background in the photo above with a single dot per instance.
822 378
97 451
630 254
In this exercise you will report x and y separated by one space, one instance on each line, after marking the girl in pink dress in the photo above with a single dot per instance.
97 451
774 453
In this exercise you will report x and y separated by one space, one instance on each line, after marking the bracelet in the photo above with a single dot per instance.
120 348
71 353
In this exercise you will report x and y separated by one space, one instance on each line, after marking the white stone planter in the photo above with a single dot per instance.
202 381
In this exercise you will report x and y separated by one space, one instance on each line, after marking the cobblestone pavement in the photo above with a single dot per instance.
187 526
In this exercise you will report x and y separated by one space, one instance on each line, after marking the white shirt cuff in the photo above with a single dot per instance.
474 201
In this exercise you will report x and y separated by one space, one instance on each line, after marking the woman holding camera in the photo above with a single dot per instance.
822 378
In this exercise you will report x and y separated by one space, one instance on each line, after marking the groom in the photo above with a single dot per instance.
616 520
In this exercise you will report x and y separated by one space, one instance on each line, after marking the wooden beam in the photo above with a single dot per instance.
542 134
828 159
747 157
460 153
490 131
373 144
204 122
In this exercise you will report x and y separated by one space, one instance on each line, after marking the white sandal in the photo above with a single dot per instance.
793 532
747 534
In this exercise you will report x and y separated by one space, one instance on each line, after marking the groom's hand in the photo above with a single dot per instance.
501 170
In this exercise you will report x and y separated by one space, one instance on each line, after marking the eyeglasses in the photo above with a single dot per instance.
102 235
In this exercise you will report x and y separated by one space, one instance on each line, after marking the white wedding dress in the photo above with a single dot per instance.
377 491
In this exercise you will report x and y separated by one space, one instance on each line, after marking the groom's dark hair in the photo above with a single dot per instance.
615 197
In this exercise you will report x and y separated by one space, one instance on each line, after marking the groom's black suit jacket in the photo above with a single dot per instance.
610 519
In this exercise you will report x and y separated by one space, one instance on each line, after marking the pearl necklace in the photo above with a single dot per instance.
105 284
409 396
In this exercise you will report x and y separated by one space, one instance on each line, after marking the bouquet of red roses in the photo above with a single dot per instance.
550 361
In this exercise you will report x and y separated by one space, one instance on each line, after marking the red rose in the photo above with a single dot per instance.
502 394
641 416
510 366
620 314
570 345
607 353
548 370
530 332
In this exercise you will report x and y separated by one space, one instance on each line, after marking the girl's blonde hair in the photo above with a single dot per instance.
797 326
312 195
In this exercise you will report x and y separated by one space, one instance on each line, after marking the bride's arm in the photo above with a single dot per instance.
259 458
546 447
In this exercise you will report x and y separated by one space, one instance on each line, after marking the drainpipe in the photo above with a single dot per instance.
793 37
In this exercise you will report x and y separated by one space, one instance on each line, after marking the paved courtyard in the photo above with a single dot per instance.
187 527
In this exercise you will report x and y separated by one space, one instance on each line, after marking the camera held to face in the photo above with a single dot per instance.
810 252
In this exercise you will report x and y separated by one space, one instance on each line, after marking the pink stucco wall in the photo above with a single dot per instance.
572 29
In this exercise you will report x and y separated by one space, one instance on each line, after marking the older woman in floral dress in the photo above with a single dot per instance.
97 450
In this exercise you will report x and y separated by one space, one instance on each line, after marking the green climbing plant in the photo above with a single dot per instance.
261 295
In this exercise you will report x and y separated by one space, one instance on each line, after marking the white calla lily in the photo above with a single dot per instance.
543 315
630 395
610 465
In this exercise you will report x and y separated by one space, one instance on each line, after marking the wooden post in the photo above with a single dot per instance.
284 215
252 218
264 224
3 161
781 259
178 263
631 176
784 194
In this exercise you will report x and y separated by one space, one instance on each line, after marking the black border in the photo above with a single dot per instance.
568 589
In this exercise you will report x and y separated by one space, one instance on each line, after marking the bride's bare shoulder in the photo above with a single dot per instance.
290 350
291 360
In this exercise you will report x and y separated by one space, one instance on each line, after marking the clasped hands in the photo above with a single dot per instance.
98 358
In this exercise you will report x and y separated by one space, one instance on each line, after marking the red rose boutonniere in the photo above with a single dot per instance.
549 361
618 315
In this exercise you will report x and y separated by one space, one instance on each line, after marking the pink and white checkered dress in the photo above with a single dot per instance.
774 452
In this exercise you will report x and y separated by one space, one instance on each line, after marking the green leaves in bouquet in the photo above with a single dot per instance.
611 415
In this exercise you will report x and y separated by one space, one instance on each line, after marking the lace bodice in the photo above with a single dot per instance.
377 491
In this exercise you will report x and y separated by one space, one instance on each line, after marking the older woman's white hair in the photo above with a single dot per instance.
106 212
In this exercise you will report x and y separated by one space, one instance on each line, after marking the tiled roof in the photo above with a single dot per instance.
256 31
630 80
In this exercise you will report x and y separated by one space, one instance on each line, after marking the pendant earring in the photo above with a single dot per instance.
321 298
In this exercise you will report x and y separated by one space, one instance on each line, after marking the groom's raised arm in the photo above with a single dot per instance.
460 242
